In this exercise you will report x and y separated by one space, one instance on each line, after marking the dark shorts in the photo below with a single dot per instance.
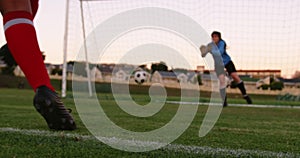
230 68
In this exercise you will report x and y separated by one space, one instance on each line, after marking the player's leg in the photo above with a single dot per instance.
6 54
22 42
230 67
34 7
7 6
241 86
236 78
223 94
13 5
222 82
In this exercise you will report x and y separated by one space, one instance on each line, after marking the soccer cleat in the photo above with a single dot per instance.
50 106
248 99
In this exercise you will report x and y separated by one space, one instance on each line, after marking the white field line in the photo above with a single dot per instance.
172 147
236 105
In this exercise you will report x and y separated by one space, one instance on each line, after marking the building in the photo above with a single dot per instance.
260 73
164 77
18 72
49 68
121 76
96 74
188 78
107 71
200 68
182 78
116 72
70 69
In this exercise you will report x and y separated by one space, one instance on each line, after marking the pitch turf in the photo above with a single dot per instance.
240 131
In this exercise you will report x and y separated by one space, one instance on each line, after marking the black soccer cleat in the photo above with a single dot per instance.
248 99
50 106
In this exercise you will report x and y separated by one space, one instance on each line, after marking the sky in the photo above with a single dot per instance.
49 23
260 34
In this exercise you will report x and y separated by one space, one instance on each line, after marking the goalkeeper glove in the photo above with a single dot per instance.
206 49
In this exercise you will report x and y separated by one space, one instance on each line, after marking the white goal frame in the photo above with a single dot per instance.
65 48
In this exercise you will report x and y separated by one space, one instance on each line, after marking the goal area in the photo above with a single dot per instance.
260 34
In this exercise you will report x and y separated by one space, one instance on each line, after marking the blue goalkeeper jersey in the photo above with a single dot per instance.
222 49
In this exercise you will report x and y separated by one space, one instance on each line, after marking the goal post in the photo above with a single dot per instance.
65 53
65 48
66 44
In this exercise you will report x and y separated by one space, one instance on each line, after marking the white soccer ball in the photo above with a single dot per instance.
140 77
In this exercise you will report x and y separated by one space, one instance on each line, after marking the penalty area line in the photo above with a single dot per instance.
236 105
201 150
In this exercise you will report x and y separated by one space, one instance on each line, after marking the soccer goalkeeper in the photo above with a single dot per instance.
229 65
22 42
219 68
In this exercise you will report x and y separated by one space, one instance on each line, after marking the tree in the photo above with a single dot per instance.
80 67
159 67
9 60
57 71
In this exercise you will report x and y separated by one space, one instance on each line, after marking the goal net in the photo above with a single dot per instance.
260 34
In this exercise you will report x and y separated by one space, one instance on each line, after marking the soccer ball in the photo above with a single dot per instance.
140 77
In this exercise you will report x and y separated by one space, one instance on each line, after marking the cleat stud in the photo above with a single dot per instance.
48 102
63 120
37 106
71 122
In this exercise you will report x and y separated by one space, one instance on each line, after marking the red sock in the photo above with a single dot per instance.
22 41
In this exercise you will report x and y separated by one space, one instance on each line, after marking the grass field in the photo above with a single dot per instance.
240 131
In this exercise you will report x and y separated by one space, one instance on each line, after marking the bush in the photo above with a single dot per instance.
56 72
277 85
8 71
265 87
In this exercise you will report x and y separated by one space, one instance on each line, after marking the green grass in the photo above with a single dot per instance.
262 129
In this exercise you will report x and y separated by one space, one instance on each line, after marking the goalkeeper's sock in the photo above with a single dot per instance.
242 88
224 96
22 41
